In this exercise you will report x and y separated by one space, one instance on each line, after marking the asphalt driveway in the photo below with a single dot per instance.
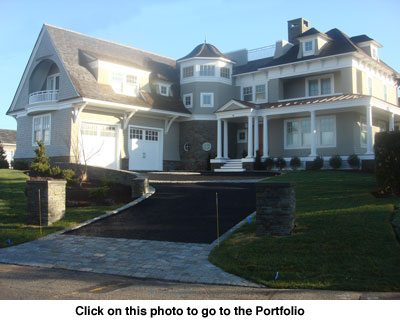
179 213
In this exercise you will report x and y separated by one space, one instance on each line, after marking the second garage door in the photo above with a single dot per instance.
145 148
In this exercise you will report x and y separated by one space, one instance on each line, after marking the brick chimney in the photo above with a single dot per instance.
296 27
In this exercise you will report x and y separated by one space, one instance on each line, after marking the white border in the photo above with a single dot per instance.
34 144
207 105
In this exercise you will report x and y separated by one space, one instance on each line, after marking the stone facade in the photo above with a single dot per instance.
276 208
194 134
52 201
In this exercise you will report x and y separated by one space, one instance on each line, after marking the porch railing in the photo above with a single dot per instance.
43 96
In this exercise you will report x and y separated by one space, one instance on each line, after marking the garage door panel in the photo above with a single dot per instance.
145 149
99 145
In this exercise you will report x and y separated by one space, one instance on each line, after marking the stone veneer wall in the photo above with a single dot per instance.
52 201
276 208
195 133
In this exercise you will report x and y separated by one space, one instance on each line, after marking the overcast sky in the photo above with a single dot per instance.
173 28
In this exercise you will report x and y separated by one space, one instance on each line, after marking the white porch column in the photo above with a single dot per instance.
226 139
313 136
219 139
391 122
265 137
250 137
256 136
369 129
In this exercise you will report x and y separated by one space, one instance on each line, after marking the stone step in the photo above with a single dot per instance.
230 170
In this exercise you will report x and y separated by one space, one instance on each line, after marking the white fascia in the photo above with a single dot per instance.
207 58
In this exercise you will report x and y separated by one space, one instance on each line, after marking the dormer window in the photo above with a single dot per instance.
53 82
308 48
124 83
374 52
164 90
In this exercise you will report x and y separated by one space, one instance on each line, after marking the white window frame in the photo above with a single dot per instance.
255 92
252 92
122 87
311 51
54 77
317 127
160 86
374 52
191 100
363 122
385 92
212 66
226 71
202 94
187 68
370 86
325 76
245 136
46 143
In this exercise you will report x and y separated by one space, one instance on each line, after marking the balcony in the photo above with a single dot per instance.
43 96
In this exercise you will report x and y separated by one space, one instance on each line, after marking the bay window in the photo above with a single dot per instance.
41 129
187 72
207 70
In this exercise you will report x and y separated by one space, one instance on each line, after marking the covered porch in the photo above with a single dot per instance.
306 128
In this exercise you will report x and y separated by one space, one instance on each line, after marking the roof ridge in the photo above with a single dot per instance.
109 41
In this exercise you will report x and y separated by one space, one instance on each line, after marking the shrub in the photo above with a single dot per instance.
20 165
55 172
335 162
295 163
40 167
280 163
269 163
317 163
387 161
68 175
98 194
3 162
354 161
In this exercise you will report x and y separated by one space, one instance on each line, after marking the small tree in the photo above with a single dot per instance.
354 161
269 163
3 158
335 162
40 167
317 163
280 163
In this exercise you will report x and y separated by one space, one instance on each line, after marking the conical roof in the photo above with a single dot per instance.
205 50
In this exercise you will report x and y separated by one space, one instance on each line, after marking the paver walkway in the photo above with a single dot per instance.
184 262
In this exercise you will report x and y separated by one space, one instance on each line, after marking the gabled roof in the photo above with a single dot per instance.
205 50
313 31
340 44
361 38
70 45
8 136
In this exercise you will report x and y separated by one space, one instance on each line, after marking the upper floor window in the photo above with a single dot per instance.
374 52
225 73
188 100
53 82
308 45
248 93
164 90
41 129
385 92
206 100
207 70
319 86
124 83
187 72
260 92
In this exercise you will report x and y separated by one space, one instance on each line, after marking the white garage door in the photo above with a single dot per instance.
98 145
145 148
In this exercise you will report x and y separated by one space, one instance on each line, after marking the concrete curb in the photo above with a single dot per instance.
208 181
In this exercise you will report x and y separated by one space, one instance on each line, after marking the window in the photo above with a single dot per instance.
385 93
88 129
151 135
260 92
225 73
124 83
363 131
163 90
319 86
242 136
327 132
207 70
187 72
188 100
370 86
308 45
107 131
53 82
248 93
298 132
136 134
206 100
41 129
374 52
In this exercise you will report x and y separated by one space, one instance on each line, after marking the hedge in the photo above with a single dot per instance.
387 161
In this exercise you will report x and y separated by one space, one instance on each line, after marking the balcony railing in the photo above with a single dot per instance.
43 96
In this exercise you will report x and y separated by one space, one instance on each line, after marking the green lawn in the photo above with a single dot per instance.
13 207
343 239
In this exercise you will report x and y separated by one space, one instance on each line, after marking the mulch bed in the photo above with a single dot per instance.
79 196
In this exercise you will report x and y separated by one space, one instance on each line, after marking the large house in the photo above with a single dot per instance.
111 105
